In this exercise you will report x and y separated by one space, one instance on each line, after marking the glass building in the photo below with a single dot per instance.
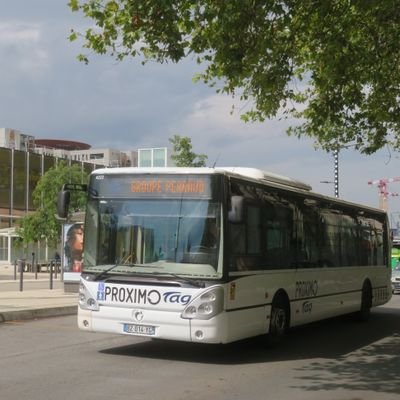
154 157
20 173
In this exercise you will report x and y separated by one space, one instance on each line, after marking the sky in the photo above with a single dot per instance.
47 93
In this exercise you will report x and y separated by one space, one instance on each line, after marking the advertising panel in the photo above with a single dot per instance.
73 251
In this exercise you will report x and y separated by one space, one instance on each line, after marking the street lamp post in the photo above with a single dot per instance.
336 153
335 181
336 172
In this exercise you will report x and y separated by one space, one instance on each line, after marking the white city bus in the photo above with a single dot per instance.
215 255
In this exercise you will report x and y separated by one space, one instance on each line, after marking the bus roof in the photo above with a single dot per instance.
252 173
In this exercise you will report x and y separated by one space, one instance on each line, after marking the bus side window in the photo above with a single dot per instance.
237 233
253 222
241 263
238 238
279 248
245 240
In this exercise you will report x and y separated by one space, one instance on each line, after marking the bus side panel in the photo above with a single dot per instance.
323 293
248 305
314 294
247 323
381 286
329 292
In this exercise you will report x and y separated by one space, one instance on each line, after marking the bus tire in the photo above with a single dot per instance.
279 320
366 302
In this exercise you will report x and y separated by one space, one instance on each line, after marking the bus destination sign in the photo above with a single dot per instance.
169 186
151 186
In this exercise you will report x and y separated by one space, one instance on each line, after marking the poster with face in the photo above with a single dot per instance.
73 250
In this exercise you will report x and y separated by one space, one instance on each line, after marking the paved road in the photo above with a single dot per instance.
334 360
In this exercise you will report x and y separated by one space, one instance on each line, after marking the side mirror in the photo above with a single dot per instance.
63 200
64 197
236 212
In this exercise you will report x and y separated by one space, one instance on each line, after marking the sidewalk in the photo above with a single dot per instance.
36 300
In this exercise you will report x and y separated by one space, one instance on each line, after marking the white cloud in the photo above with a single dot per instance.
221 114
17 33
21 50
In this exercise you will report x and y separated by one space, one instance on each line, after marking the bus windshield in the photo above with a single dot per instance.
154 236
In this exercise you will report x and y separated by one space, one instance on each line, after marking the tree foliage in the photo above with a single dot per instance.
333 64
183 156
43 224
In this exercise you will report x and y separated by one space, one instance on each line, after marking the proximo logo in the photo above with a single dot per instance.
139 296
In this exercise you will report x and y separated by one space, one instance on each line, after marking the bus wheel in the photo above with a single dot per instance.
279 322
366 302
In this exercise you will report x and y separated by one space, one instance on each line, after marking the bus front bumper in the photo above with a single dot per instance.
151 324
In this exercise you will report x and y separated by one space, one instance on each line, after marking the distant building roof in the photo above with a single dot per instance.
62 144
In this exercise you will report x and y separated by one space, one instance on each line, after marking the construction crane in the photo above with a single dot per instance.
383 190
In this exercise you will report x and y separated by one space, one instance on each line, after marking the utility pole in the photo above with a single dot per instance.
336 172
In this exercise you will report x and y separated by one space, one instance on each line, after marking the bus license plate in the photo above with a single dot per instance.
147 330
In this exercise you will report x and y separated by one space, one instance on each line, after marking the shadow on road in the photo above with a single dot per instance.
335 354
330 339
374 368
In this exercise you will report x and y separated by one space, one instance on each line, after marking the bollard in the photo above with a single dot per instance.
34 266
56 267
51 274
15 270
21 266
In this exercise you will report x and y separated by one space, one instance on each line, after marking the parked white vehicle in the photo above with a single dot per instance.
396 279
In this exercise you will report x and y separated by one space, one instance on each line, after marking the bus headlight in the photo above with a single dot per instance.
207 305
86 300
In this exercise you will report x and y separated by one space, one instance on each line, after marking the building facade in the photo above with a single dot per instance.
14 139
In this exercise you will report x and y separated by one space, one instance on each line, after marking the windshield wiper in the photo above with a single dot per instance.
190 281
103 273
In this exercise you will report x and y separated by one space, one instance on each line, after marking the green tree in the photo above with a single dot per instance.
183 155
332 64
43 222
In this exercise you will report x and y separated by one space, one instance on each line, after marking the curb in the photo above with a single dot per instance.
23 315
